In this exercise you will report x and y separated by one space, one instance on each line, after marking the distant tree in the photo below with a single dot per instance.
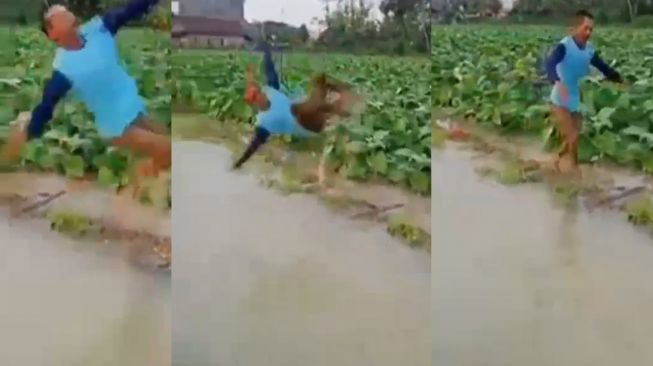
303 33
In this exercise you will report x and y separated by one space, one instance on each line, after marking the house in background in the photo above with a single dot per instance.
208 23
438 9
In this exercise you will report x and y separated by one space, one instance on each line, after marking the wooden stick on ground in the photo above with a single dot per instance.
49 198
377 210
615 197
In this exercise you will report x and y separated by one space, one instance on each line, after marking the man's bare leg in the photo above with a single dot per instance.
151 126
578 127
156 147
568 126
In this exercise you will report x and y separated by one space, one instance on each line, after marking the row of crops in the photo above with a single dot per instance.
492 75
71 145
391 139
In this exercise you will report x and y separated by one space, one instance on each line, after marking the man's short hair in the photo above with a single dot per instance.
581 15
47 14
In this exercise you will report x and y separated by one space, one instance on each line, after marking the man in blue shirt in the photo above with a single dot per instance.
567 65
87 64
282 115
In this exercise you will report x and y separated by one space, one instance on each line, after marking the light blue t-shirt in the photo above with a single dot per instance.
574 67
278 118
99 80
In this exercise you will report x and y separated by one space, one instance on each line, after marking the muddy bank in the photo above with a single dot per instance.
266 279
69 302
288 170
82 210
515 160
521 280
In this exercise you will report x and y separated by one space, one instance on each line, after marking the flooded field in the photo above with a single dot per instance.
266 279
68 302
289 170
84 301
520 280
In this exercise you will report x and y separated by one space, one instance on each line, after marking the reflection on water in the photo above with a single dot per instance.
519 280
67 303
267 280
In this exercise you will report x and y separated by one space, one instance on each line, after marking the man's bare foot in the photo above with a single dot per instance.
164 250
567 166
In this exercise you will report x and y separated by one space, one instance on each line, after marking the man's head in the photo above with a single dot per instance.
582 26
61 26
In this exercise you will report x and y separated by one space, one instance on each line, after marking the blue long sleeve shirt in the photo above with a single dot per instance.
58 86
558 55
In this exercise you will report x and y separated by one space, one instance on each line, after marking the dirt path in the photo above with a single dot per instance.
263 279
521 280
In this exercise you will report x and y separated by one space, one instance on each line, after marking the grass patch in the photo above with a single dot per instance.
438 137
70 223
402 227
566 193
640 211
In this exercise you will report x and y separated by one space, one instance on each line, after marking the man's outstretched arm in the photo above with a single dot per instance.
54 91
609 73
261 135
118 17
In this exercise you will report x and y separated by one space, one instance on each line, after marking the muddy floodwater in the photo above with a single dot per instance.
67 303
88 302
518 280
266 280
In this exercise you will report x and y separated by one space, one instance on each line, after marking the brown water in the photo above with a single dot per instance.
520 281
262 279
77 303
68 302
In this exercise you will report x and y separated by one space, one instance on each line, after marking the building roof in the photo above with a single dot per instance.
191 25
438 5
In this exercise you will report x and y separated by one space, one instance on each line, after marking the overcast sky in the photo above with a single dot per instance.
294 12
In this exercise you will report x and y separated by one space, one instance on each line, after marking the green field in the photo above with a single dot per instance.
490 75
71 145
390 140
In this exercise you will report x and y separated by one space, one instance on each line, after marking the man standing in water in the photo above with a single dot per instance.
87 63
567 65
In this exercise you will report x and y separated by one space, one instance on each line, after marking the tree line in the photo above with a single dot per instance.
550 11
351 27
29 11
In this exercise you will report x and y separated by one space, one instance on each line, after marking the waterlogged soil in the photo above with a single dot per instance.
267 279
87 212
405 215
515 160
523 277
